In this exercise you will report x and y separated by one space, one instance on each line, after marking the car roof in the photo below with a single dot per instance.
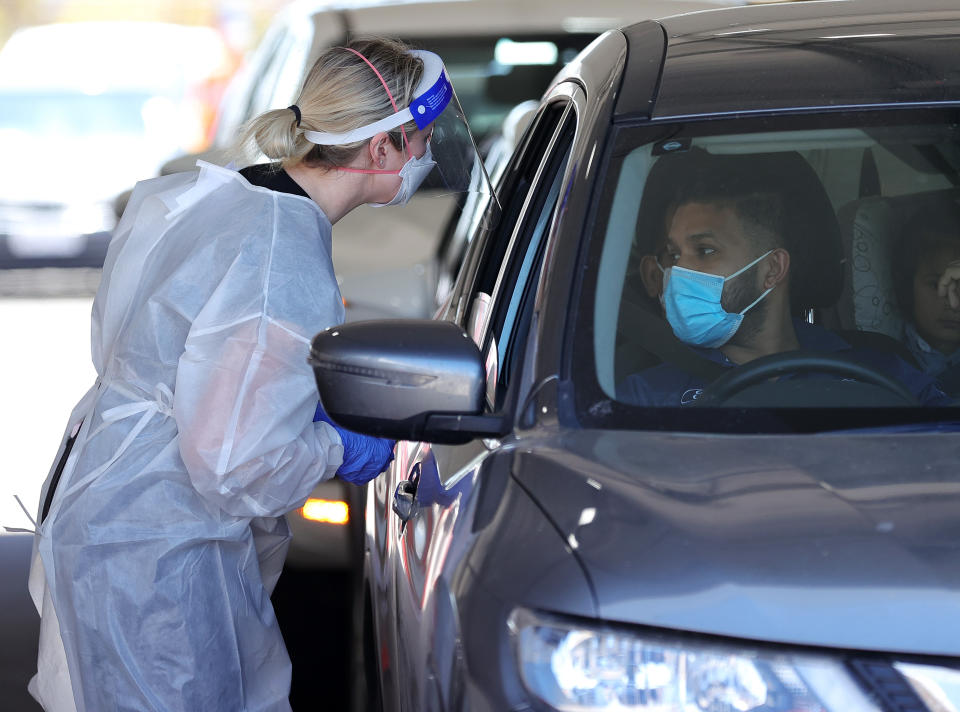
816 54
437 18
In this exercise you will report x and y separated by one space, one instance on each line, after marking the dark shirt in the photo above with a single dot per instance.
944 367
270 175
667 385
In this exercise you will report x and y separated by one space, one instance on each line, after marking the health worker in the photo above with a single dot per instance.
161 531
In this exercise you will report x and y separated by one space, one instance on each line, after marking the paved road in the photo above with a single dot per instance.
312 608
44 369
18 625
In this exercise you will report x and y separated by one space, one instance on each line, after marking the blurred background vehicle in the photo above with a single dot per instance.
87 109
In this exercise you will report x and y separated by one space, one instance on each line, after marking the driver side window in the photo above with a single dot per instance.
516 274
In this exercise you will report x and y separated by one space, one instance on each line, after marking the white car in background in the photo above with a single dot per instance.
86 110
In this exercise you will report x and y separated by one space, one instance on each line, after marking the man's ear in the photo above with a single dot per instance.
777 265
651 276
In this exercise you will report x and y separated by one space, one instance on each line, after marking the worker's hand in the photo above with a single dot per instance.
949 284
364 456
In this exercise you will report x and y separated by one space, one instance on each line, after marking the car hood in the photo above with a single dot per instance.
846 541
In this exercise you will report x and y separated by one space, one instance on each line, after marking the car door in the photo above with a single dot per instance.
433 486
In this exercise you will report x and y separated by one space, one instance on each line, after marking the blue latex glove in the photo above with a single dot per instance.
364 456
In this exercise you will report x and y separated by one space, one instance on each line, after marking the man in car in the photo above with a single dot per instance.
727 293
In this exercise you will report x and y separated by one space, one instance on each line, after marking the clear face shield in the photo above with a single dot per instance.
442 156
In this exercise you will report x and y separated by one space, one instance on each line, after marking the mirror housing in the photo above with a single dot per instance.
404 379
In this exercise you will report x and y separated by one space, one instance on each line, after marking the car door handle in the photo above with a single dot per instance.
403 499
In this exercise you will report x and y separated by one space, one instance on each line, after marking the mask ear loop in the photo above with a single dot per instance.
403 132
744 269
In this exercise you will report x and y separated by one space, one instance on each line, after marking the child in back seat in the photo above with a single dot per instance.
927 282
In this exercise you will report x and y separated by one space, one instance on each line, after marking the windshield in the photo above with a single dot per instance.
809 269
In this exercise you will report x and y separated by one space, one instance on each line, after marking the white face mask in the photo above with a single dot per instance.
413 173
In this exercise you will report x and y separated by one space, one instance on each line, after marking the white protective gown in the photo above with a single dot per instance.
154 567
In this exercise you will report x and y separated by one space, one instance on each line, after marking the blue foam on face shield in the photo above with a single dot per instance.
429 105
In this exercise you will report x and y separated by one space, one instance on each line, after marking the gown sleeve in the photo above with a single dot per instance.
245 395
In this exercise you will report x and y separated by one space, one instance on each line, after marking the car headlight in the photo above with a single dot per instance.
571 666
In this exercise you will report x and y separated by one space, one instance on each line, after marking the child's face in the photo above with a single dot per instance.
935 321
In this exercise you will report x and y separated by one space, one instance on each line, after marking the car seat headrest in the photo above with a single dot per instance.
868 300
871 227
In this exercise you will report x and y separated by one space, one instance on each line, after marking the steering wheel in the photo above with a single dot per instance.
766 367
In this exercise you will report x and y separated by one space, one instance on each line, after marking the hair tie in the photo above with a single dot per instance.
296 112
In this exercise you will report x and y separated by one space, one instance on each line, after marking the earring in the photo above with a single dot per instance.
381 163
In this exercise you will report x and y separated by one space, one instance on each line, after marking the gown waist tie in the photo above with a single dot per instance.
162 403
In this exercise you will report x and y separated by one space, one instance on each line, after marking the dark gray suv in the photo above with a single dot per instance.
602 502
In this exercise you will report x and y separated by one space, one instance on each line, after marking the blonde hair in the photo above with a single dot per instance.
341 93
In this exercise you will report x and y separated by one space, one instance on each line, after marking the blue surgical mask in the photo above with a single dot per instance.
692 303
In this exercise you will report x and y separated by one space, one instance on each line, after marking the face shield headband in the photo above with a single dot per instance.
451 163
430 98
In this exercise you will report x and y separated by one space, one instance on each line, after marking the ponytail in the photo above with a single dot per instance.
274 133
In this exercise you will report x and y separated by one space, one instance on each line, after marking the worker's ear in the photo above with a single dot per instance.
377 149
775 268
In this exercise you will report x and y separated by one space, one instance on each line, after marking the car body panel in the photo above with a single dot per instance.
449 569
517 559
801 57
406 561
773 538
648 44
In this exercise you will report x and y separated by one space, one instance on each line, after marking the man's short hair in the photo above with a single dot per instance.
780 200
760 210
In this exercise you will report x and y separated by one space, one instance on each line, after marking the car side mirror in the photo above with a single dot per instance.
405 379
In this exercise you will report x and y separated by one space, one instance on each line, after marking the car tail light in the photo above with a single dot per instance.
326 511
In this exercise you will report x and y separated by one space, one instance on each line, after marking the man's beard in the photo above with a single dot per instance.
739 294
